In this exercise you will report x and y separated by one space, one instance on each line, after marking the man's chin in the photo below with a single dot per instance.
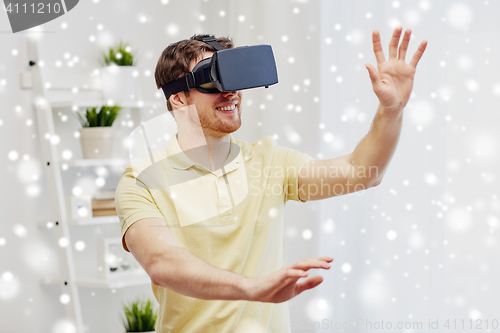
223 124
230 129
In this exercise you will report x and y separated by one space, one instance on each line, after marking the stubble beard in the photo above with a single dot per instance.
212 123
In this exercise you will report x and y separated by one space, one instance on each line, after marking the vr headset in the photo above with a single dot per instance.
233 69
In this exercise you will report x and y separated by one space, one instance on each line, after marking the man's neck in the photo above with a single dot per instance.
211 151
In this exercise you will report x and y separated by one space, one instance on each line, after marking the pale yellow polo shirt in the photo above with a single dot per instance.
233 221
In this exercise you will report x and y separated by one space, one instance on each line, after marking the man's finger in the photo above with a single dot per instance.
393 45
296 273
404 45
377 47
309 263
309 283
418 54
374 75
328 259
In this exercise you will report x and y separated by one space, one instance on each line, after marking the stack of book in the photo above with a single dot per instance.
104 204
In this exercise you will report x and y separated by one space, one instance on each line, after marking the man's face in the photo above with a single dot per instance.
219 113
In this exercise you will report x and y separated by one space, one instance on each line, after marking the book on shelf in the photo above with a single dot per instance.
103 212
103 204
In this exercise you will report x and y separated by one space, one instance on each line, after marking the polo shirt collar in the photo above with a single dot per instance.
179 160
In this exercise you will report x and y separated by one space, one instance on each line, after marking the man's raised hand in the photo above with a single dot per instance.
393 81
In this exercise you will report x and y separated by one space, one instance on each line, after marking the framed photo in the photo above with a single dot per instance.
114 261
80 207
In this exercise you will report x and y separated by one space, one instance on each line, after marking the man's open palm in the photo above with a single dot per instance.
393 81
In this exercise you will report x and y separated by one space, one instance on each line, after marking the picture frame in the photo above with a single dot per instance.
114 261
80 207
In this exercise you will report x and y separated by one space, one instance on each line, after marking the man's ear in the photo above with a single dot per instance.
178 100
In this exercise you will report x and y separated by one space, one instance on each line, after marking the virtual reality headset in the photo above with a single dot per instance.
233 69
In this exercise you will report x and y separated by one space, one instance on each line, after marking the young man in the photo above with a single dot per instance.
207 224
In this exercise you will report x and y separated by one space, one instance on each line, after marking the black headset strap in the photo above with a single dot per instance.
212 42
187 82
191 80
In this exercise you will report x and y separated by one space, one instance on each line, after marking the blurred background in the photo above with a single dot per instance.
422 247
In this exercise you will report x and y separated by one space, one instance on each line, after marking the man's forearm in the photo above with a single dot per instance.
375 151
186 274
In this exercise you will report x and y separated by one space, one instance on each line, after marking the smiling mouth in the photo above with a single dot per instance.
227 108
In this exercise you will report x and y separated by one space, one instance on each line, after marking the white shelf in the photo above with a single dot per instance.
97 162
111 219
87 104
136 278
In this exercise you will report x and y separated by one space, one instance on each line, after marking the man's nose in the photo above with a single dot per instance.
230 93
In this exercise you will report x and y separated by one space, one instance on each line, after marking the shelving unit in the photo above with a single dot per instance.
60 223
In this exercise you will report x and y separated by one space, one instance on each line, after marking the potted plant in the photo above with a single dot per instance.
119 76
96 134
139 316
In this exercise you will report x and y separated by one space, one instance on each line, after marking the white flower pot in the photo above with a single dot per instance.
97 142
119 84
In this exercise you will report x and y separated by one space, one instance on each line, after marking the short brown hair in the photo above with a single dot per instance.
175 59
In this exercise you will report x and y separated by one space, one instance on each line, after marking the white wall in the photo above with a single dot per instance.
438 196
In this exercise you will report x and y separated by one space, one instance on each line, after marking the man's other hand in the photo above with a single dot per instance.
283 284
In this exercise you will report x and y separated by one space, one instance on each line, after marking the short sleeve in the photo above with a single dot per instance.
293 161
133 202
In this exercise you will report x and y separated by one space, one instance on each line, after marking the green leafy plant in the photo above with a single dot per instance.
120 55
104 117
139 316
